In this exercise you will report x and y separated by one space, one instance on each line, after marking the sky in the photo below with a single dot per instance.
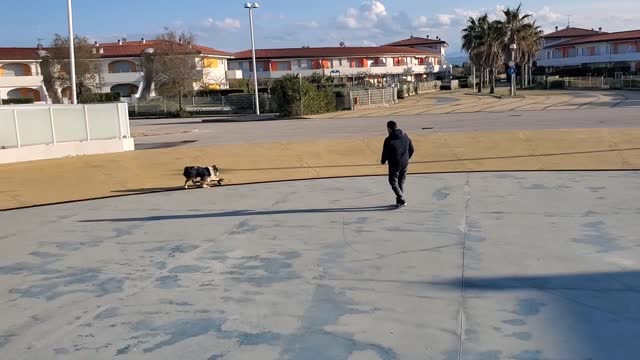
224 24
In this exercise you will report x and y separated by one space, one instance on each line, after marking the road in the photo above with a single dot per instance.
193 132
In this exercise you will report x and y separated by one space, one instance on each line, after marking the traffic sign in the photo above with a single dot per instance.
511 71
512 63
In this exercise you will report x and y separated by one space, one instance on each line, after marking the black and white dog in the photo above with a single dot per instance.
204 174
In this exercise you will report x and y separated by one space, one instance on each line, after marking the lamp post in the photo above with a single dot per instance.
252 6
72 55
512 68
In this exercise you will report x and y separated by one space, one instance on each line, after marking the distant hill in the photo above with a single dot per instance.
457 59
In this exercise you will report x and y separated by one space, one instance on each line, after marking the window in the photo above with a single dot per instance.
122 66
304 64
15 70
281 65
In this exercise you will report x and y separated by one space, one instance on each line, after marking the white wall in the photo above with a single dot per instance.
34 132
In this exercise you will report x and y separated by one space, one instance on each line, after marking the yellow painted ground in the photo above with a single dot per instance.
85 177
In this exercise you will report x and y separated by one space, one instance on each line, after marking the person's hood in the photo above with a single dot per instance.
396 134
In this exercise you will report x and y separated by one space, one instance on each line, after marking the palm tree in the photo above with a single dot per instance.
483 41
472 43
520 29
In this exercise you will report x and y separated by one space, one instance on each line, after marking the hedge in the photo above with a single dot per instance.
99 98
17 101
316 98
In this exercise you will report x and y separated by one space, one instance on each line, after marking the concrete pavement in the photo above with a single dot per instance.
462 101
86 177
478 267
190 132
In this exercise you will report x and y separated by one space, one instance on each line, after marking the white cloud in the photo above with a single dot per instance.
373 10
444 19
368 15
226 24
547 15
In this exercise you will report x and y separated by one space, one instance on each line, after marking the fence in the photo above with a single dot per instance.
628 82
372 98
237 103
30 132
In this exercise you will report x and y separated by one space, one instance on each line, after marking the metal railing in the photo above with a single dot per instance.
372 98
626 82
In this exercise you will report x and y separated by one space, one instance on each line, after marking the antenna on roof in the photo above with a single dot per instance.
568 21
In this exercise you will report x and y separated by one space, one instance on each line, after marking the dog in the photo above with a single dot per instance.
204 174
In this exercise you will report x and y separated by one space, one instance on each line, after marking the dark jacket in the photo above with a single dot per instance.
397 149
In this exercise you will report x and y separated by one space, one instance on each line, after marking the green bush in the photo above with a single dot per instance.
556 84
317 99
99 98
17 101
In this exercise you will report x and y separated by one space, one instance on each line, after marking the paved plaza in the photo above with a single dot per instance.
479 266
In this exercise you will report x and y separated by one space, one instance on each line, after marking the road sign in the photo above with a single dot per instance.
512 63
511 71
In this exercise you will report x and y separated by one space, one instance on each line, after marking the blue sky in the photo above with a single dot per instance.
223 24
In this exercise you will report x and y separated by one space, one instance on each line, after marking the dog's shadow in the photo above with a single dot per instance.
161 189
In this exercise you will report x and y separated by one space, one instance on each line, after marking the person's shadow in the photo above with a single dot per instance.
239 213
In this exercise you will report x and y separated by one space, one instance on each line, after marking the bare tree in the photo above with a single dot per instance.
56 66
174 64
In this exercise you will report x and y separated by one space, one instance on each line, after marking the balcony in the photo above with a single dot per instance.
20 81
579 60
122 78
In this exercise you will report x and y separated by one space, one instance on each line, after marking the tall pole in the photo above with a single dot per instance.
301 98
255 68
513 75
72 55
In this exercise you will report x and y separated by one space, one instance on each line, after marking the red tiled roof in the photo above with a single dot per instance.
415 41
321 52
571 32
18 54
601 37
136 48
110 50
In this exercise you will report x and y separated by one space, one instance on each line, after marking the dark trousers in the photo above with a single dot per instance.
397 176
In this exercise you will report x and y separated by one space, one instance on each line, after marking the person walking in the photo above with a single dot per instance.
397 151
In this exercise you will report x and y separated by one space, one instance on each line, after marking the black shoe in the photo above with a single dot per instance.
401 203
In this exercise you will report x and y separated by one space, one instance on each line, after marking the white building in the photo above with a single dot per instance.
20 74
120 69
582 48
378 65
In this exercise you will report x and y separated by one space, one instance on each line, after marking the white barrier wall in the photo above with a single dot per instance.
35 132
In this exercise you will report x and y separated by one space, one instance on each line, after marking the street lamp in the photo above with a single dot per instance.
512 68
252 6
72 55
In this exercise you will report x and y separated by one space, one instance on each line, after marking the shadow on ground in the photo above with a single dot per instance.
238 213
597 314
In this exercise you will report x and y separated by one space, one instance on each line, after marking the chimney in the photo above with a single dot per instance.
600 29
95 43
119 42
427 36
556 28
143 41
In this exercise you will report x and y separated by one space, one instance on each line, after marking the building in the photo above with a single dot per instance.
591 49
119 69
20 74
380 65
427 44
